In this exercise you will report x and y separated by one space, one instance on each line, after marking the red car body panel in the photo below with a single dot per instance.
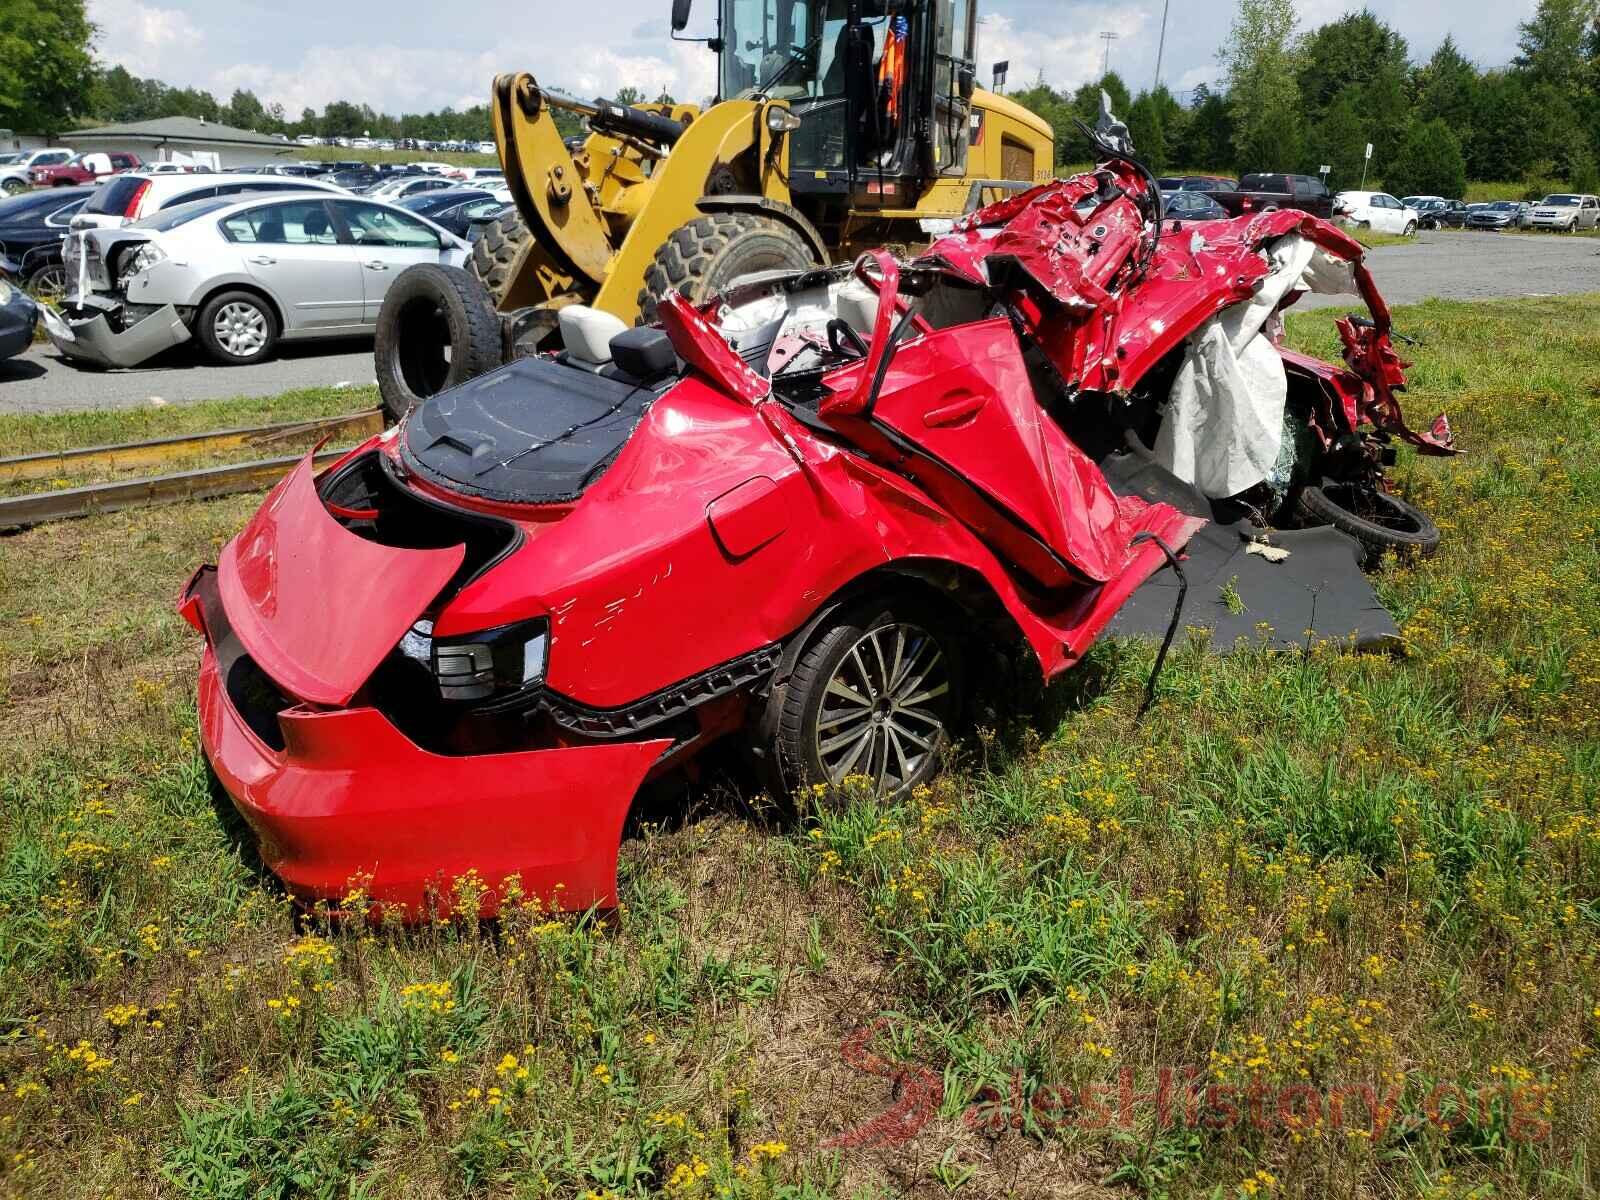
350 802
318 606
724 524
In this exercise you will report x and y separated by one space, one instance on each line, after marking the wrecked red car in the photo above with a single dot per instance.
809 514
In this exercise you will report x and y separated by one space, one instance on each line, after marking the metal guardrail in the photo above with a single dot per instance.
50 464
207 483
204 483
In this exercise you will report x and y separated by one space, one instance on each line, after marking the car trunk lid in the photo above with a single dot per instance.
316 606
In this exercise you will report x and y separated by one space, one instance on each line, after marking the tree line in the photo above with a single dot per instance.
1288 101
1293 101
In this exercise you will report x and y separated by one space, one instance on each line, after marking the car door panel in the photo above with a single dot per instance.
386 241
962 397
292 249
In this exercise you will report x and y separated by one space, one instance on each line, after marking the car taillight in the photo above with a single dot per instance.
132 210
502 661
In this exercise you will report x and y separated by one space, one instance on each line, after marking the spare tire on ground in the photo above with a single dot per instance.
1381 521
437 329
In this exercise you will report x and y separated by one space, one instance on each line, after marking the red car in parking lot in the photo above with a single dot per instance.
84 168
811 514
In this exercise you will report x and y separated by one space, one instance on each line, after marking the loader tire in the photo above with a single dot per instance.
1381 521
496 251
436 329
710 252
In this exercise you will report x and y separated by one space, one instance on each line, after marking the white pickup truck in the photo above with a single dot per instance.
14 167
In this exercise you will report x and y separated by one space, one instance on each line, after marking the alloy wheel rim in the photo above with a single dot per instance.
883 712
50 283
241 328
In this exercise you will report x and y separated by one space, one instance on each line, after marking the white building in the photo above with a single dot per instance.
186 139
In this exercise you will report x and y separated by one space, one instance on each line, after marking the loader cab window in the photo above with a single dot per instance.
955 74
774 46
858 84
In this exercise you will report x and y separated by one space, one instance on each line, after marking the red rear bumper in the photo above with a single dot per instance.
350 800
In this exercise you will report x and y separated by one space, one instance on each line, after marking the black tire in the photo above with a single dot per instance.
237 328
1411 229
1380 521
13 187
48 282
495 253
906 717
710 252
436 329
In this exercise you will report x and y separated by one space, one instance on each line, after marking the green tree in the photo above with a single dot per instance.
1553 43
1086 100
1339 140
1429 163
46 72
244 111
1386 111
1205 136
1506 128
1447 88
1355 50
1259 57
341 119
1144 127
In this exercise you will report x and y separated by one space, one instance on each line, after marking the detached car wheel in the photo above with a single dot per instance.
1380 521
876 694
436 329
237 328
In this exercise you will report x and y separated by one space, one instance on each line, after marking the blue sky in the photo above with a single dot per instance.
412 55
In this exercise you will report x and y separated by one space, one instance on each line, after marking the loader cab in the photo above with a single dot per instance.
882 90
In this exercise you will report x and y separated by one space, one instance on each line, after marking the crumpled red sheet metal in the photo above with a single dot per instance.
1106 311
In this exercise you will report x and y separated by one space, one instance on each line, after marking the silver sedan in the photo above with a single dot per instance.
239 275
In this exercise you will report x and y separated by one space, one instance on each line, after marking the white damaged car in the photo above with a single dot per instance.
239 274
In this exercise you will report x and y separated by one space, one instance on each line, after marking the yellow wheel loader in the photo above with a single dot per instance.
840 125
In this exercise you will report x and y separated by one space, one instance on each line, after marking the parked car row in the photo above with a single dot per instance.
32 227
239 273
16 169
1377 211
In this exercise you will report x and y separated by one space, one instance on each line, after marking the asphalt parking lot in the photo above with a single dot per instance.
40 380
1445 264
1454 265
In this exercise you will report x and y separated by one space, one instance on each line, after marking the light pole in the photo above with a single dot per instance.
1107 37
1161 46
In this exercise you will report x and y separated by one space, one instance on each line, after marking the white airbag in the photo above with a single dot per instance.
1224 421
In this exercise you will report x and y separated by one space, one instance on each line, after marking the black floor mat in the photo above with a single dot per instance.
1317 593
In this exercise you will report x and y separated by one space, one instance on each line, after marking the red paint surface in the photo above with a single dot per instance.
318 606
723 525
350 800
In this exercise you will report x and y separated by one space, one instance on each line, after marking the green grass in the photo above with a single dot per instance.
30 433
1299 871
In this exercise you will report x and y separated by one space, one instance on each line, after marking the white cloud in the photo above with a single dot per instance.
147 40
1067 59
305 53
167 44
